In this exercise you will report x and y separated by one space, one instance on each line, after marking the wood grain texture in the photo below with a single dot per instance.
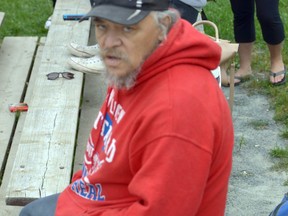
44 158
15 66
14 210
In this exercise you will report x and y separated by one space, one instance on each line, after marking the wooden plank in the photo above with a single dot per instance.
13 210
44 158
2 14
15 66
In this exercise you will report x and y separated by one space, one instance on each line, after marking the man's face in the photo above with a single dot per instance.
124 48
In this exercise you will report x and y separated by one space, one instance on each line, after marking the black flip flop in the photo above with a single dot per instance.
281 82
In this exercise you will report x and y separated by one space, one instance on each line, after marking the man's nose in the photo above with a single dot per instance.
112 39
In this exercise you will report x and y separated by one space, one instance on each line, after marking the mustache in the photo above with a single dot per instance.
112 52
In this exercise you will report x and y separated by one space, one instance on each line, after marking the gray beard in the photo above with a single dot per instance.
127 81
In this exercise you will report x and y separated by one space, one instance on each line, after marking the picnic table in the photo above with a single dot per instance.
41 148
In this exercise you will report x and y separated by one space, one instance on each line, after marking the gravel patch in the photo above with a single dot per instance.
254 188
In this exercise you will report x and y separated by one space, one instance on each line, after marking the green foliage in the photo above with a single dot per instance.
282 155
278 152
242 142
25 17
259 124
285 134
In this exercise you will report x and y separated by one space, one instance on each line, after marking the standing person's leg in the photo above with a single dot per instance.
244 32
45 206
277 64
273 34
245 59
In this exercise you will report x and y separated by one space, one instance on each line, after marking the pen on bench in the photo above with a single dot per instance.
73 17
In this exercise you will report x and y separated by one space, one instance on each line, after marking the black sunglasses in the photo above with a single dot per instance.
56 75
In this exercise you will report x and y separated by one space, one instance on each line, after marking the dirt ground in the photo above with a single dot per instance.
254 189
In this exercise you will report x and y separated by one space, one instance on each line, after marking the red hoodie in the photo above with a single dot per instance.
164 147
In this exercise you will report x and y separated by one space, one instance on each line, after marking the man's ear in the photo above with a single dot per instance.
166 21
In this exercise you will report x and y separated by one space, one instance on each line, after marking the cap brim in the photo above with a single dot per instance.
116 14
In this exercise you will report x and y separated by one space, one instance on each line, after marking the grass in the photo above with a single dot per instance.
278 152
27 18
281 154
259 124
242 142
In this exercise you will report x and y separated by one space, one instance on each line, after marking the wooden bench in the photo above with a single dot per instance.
92 97
44 158
15 66
18 72
41 149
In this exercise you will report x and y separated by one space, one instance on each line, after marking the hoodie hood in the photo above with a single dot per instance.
183 45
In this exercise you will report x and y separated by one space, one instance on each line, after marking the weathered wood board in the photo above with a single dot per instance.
43 163
16 57
7 210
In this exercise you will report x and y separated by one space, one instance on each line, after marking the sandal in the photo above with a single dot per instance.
227 84
282 81
225 80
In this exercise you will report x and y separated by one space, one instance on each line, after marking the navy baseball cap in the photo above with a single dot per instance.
125 12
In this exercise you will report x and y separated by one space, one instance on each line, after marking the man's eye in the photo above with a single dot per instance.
128 29
100 27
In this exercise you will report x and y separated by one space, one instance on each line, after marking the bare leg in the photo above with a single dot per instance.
276 61
225 79
245 56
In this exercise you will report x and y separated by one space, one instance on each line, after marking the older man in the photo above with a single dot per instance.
162 142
